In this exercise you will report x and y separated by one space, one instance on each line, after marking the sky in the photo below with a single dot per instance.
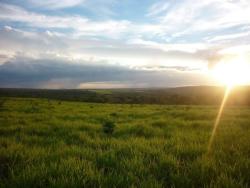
119 43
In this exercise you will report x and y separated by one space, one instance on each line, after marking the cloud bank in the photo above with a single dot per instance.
77 44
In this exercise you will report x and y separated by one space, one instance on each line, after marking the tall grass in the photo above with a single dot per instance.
51 144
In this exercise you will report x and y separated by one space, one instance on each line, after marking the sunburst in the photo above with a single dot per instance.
230 73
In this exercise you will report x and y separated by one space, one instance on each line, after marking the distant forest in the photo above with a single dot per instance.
198 95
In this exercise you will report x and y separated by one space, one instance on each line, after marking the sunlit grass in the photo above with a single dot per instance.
219 115
62 144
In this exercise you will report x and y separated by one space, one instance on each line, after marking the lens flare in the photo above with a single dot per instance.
232 72
218 118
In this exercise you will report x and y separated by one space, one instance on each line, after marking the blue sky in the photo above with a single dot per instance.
151 43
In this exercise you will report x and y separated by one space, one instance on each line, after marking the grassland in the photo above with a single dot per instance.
49 143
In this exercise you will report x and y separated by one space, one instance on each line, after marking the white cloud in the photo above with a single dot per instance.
18 14
239 49
125 42
230 37
80 25
158 8
194 16
55 4
132 53
174 21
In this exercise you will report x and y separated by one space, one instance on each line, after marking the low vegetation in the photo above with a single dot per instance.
48 143
193 95
108 127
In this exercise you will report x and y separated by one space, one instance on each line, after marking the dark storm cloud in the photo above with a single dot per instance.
48 73
35 72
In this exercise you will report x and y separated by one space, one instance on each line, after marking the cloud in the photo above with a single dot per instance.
47 73
190 17
175 22
104 8
132 53
230 37
158 7
173 19
55 4
3 58
78 24
17 14
177 38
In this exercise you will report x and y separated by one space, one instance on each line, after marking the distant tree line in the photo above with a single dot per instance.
200 95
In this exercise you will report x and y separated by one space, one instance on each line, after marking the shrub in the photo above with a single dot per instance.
108 127
113 114
2 104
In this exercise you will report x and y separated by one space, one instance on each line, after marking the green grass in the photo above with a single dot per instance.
62 144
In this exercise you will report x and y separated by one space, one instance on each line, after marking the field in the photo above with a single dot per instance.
52 143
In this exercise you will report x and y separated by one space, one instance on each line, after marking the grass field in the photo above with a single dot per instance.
62 144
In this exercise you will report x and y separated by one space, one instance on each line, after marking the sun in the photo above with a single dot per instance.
232 72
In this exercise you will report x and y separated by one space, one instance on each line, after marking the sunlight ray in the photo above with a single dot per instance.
218 118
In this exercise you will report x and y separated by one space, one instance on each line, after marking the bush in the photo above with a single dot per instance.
2 104
108 127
